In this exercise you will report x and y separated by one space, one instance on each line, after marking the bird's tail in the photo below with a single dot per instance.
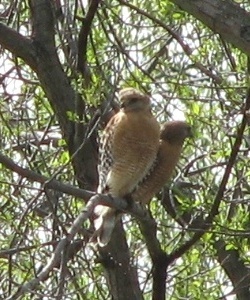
104 224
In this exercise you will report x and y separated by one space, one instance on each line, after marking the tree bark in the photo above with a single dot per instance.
235 269
121 275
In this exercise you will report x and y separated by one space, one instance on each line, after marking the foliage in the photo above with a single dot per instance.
191 73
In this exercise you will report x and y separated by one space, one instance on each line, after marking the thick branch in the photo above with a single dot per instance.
117 203
61 95
47 182
17 44
43 22
122 277
158 256
83 36
234 267
223 17
43 59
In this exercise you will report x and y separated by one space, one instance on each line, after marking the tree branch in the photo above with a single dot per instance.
43 22
223 17
185 47
40 54
215 208
47 182
158 256
86 213
57 255
17 44
83 37
117 203
234 267
119 271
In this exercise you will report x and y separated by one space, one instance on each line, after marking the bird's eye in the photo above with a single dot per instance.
129 102
132 101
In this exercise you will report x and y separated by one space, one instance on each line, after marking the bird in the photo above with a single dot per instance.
172 137
129 147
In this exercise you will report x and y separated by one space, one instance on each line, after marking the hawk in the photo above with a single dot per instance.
129 147
172 137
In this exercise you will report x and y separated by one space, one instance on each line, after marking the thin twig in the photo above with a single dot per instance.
47 182
185 47
219 196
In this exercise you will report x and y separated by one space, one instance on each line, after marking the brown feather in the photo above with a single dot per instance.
173 135
129 147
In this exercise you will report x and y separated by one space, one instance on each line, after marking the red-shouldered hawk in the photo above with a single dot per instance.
128 149
172 137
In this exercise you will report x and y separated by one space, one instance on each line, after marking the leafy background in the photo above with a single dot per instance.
58 86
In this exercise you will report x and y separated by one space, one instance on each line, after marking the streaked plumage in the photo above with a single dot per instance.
128 149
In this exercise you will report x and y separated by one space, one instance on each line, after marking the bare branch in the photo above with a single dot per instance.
188 51
158 256
18 45
74 229
83 38
220 193
43 22
48 183
55 258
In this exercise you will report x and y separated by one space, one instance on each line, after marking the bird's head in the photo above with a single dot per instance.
175 132
133 100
